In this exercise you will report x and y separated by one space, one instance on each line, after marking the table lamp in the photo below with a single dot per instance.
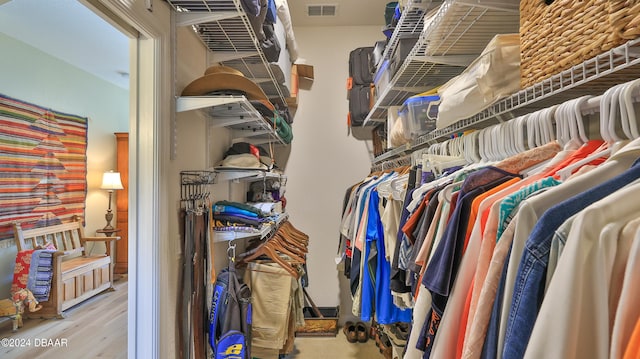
110 181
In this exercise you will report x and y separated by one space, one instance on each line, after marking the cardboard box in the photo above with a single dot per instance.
301 78
305 75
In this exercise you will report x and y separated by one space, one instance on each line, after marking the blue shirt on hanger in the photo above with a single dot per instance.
386 312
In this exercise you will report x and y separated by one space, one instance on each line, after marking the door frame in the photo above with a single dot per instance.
151 106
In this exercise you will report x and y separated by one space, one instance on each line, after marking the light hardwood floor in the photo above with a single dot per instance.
96 328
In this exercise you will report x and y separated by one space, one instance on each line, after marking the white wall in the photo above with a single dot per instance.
30 75
324 161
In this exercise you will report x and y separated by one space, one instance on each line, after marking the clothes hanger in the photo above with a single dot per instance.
516 135
605 102
481 153
399 185
290 249
543 133
614 114
531 130
564 128
295 233
468 147
521 126
384 187
578 120
607 112
266 249
290 238
484 145
439 162
628 101
540 128
548 119
274 256
497 143
510 136
569 124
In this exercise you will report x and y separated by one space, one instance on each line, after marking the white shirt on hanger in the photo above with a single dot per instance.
628 310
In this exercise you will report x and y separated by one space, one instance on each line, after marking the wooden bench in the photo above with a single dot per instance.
77 276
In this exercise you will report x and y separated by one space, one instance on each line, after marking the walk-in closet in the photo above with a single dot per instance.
300 179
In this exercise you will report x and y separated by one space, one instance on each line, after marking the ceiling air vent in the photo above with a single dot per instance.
321 10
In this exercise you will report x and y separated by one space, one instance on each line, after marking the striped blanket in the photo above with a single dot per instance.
42 166
34 271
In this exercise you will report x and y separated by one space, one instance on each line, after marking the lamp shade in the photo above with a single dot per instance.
111 180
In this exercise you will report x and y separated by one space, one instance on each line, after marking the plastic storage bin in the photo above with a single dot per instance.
418 115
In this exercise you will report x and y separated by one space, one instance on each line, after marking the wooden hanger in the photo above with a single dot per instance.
268 251
290 241
295 234
278 244
287 241
271 253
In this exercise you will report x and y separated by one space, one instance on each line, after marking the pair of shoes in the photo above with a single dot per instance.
350 332
361 332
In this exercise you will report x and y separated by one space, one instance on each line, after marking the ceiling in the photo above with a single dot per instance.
68 30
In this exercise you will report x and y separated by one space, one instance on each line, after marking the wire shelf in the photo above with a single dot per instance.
235 113
456 34
411 22
224 28
593 77
465 27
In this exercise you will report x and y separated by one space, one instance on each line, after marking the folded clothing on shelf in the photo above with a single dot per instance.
268 207
233 211
229 207
234 220
246 156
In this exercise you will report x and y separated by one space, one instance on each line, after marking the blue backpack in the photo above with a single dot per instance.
230 317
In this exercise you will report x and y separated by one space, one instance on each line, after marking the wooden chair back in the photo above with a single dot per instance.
66 237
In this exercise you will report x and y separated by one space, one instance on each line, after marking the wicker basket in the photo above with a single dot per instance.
565 33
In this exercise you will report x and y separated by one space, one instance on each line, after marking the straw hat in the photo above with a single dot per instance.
218 78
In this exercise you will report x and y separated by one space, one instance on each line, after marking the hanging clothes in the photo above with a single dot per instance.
534 256
370 267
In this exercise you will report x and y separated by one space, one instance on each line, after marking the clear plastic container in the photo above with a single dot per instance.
418 114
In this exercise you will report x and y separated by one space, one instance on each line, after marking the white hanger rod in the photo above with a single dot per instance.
592 105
